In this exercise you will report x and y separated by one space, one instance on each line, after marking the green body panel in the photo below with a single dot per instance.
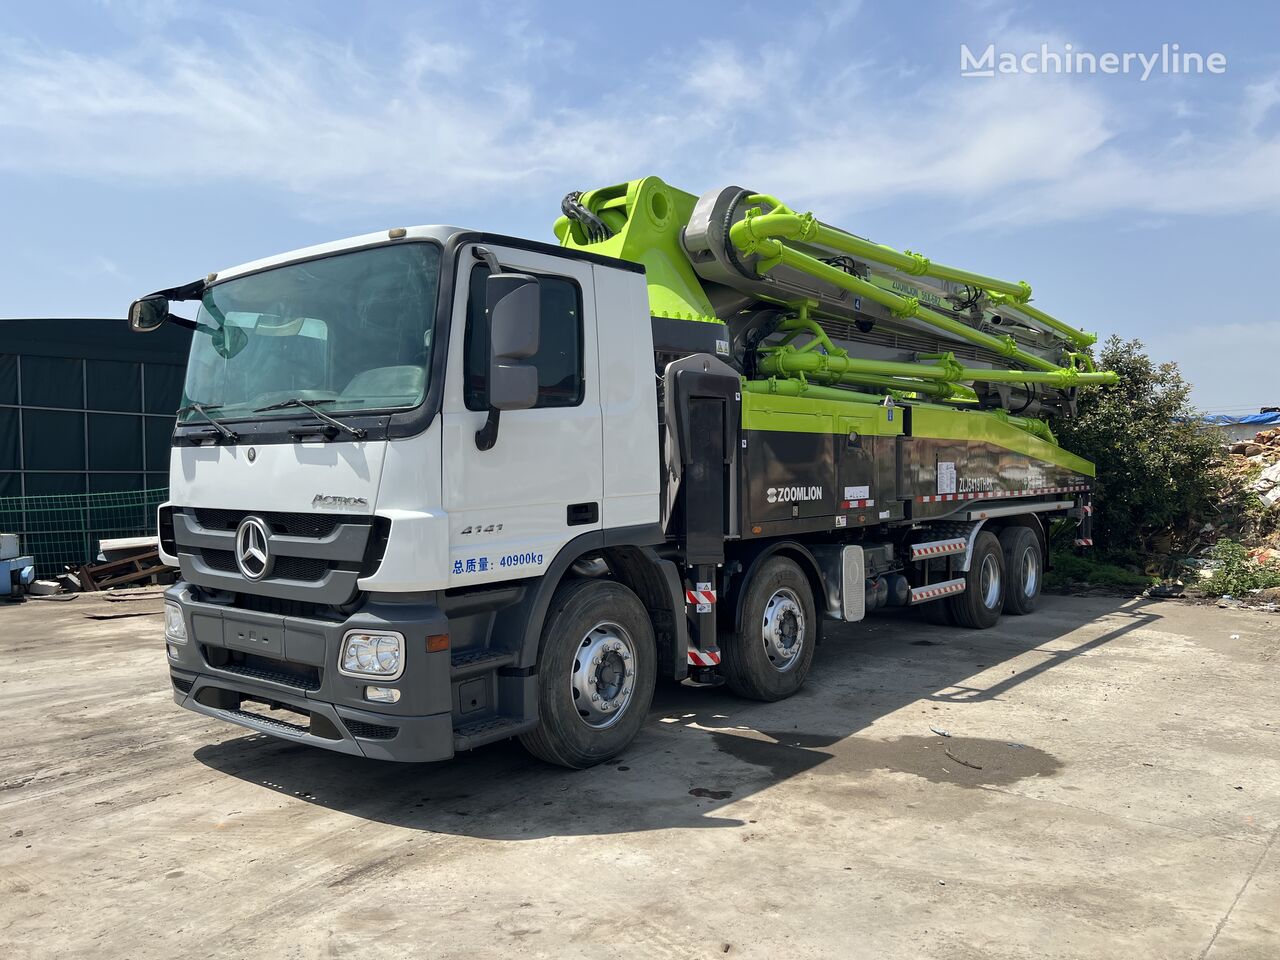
822 413
809 414
984 426
646 217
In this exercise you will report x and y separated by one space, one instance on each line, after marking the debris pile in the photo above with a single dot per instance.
1249 507
1248 515
1265 452
131 561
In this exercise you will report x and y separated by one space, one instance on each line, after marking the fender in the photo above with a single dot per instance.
520 625
751 561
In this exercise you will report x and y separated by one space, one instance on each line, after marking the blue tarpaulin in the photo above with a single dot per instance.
1256 419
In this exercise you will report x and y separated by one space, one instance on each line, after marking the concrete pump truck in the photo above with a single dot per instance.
432 488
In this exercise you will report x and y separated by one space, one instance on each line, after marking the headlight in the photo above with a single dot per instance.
367 654
175 628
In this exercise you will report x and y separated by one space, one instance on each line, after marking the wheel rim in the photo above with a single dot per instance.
1030 572
603 678
783 629
989 582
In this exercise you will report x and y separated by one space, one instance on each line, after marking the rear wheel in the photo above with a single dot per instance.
769 658
983 598
1024 566
597 667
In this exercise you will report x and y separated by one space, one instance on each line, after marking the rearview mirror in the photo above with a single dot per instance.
513 302
148 313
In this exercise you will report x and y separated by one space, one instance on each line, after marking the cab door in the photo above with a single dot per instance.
512 507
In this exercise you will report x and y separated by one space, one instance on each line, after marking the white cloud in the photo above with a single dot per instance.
1259 99
293 112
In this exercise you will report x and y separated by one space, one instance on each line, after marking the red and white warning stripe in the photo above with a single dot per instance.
700 596
857 504
938 548
1087 509
932 590
1084 542
997 494
704 658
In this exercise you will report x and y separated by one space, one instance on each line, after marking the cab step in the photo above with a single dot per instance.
470 663
489 729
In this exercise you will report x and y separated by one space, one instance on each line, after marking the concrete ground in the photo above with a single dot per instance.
1110 788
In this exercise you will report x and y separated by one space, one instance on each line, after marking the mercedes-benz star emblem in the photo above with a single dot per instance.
253 454
253 553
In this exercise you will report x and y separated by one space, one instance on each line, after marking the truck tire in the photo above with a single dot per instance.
1024 567
979 606
597 666
769 658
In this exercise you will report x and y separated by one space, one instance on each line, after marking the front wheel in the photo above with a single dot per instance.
597 667
769 658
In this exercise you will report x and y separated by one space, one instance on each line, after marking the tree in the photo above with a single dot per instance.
1157 465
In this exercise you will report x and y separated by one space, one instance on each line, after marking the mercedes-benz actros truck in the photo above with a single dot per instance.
432 488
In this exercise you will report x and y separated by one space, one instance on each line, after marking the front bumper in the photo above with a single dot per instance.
285 668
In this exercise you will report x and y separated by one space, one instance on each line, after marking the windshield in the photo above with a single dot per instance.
351 332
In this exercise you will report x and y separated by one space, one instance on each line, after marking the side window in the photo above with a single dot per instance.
559 356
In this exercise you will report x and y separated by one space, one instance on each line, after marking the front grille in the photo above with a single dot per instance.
306 569
370 731
286 608
223 560
316 525
338 549
299 568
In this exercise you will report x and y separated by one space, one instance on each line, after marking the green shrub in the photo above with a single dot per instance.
1157 467
1237 573
1069 569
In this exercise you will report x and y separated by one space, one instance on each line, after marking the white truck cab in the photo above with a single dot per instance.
294 529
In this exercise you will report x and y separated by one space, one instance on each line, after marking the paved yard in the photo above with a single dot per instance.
1110 788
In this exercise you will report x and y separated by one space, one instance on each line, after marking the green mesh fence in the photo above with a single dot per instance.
64 530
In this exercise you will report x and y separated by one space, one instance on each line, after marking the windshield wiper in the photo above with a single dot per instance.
201 409
357 432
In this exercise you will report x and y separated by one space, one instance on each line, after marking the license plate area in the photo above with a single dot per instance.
263 636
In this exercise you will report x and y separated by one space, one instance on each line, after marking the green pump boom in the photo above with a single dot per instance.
809 304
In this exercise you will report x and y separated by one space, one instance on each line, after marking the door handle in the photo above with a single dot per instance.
580 513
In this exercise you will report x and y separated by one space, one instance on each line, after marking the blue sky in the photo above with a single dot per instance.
147 143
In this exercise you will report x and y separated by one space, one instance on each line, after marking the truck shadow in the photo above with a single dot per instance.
704 750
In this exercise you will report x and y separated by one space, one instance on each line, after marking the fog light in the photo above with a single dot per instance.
175 627
372 654
382 694
173 651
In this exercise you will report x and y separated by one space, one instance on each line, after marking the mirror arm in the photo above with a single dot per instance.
487 435
485 254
